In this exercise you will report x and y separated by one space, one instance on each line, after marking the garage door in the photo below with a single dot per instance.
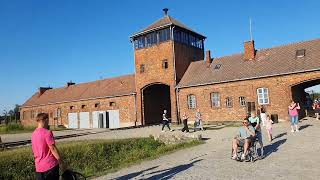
114 121
99 119
84 120
73 120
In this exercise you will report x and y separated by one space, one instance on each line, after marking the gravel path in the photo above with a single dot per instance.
289 156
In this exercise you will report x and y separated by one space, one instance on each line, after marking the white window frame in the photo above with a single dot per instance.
192 101
229 102
215 100
263 96
242 101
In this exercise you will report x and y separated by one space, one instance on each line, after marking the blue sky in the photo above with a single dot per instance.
46 42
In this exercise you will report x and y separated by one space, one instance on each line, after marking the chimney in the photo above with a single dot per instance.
70 83
165 10
208 58
43 89
249 50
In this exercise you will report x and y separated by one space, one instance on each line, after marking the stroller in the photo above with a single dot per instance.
252 151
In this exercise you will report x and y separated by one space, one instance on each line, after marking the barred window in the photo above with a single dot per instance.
215 99
165 64
191 101
142 68
242 101
263 96
229 102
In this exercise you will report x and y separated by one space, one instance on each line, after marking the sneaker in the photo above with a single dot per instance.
234 157
171 130
162 131
292 130
297 130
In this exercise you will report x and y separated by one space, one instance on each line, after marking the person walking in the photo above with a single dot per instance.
263 115
269 127
165 121
46 155
293 112
316 108
198 122
255 122
185 123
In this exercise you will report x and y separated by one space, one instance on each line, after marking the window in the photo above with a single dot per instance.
51 115
263 96
164 64
32 114
300 53
83 106
229 102
242 101
23 115
215 99
58 112
112 104
164 35
151 39
191 101
72 107
96 105
142 68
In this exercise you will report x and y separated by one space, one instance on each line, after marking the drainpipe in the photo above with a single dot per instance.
175 76
135 109
178 108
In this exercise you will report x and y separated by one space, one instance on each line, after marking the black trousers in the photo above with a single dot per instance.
51 174
165 123
185 125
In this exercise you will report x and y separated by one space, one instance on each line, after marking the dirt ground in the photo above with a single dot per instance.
288 156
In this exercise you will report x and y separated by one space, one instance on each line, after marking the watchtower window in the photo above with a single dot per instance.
300 53
165 64
164 35
142 68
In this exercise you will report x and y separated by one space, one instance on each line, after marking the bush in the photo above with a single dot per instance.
92 158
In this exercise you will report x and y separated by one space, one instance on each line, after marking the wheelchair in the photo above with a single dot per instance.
252 151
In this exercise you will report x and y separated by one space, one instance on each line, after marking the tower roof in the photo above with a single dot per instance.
166 21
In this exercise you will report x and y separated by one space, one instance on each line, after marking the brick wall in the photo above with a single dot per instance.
279 96
125 104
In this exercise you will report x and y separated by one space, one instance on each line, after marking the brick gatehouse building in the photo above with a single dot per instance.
172 72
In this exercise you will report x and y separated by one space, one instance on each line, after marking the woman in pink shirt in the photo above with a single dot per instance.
293 112
47 157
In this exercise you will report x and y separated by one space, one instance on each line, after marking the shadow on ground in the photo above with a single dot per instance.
274 147
304 126
170 172
279 135
135 174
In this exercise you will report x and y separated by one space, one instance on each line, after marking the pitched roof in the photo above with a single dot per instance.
110 87
164 22
268 62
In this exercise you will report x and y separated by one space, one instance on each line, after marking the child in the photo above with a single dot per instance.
269 127
165 121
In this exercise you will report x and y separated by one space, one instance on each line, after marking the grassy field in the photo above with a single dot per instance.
91 158
19 128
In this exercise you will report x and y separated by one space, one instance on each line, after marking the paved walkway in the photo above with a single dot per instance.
289 156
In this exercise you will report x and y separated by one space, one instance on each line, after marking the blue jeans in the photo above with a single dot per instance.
294 120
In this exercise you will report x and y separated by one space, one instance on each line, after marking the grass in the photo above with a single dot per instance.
14 128
91 158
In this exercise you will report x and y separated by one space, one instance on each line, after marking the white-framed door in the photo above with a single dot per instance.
99 119
84 120
73 120
114 121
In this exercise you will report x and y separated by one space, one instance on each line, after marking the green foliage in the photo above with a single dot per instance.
92 158
13 128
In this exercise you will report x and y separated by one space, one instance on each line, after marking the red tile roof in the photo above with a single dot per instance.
110 87
268 62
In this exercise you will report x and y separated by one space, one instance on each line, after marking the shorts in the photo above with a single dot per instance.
52 174
241 142
269 130
294 120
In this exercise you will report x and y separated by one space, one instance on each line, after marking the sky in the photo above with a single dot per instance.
48 43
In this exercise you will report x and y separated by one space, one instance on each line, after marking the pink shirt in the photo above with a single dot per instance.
44 159
294 111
